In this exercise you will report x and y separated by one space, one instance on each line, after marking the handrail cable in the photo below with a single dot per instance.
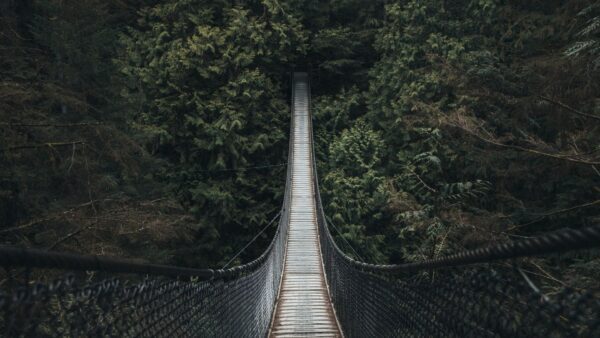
243 168
344 239
550 243
252 240
35 258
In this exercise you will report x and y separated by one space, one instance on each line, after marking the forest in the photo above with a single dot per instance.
158 130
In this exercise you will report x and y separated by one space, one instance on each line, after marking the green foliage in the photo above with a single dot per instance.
337 47
335 113
418 44
79 38
73 175
439 125
341 35
454 88
207 77
355 191
588 35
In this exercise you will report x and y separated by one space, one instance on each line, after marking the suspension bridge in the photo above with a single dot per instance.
303 285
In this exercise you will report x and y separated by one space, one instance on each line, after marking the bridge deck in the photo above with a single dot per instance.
303 308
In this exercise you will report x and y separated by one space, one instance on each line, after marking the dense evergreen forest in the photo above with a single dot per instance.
157 130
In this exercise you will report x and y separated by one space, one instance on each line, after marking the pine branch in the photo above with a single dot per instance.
421 180
528 150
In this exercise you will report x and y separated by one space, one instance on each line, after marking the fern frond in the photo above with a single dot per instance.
428 158
453 192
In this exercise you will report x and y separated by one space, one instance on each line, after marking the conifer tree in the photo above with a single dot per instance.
208 78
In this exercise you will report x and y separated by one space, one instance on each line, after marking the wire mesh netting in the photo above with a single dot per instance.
476 303
153 307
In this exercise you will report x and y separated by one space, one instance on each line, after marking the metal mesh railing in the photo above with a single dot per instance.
395 301
150 307
384 301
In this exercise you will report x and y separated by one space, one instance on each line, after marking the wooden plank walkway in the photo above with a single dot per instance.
303 308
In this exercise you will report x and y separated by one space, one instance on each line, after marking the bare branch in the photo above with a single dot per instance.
555 212
528 150
52 217
49 145
72 234
569 108
421 180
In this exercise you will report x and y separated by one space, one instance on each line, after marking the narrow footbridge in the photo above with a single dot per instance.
303 285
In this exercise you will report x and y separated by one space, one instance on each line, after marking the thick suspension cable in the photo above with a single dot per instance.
33 258
556 242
